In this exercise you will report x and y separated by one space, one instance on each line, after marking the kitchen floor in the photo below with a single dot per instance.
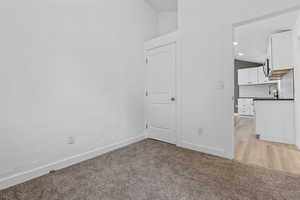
250 150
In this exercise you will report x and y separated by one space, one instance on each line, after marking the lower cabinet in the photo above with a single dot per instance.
275 121
246 107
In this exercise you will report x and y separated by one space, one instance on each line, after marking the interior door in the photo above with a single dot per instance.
160 93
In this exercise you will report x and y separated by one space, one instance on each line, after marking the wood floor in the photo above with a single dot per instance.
250 150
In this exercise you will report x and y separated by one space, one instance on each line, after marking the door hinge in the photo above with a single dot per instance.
147 126
146 94
147 60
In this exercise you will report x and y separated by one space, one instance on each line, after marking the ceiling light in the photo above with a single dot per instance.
235 43
241 54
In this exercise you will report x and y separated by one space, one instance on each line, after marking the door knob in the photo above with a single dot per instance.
173 99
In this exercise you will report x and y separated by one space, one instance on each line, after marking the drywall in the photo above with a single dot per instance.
207 68
167 22
69 68
297 81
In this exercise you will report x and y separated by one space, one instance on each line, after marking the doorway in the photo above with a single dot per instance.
264 128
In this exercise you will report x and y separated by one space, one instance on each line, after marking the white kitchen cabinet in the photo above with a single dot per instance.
253 75
282 51
247 76
243 76
261 77
275 121
246 107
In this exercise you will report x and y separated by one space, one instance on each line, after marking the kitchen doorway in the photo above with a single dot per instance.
264 65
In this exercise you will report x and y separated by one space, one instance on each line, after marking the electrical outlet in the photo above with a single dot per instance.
35 162
71 140
200 131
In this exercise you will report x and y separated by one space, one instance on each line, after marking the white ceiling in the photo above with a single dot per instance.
253 38
163 5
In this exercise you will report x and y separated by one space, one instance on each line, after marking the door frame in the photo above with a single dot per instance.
160 42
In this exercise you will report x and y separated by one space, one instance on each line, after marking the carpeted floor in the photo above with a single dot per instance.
152 170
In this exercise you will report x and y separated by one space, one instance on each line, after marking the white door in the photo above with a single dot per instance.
160 93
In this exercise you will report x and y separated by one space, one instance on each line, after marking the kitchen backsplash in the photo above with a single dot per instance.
285 88
260 91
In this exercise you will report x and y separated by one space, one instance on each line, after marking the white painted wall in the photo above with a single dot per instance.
207 62
167 22
69 68
297 81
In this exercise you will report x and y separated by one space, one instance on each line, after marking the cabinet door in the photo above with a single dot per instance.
261 77
247 76
252 73
245 107
282 50
243 76
275 121
251 108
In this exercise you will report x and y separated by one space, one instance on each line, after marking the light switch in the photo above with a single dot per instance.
220 85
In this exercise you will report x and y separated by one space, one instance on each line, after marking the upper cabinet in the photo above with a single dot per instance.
261 77
280 51
247 76
253 76
244 76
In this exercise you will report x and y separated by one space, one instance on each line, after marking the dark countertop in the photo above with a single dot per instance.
266 99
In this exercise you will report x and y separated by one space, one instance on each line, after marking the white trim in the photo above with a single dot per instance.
246 116
203 149
40 171
161 41
178 89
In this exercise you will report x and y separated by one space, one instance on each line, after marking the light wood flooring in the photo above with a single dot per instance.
250 150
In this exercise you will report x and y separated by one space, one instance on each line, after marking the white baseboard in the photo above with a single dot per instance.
40 171
203 149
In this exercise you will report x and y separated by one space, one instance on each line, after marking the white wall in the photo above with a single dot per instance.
167 22
297 82
206 62
69 68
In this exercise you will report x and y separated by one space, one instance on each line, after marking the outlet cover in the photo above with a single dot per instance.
71 140
200 131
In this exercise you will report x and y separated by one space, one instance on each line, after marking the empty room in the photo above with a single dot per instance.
150 100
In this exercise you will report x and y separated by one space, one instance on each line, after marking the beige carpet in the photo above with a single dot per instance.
152 170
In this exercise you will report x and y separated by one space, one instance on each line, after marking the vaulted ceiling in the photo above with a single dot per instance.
163 5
